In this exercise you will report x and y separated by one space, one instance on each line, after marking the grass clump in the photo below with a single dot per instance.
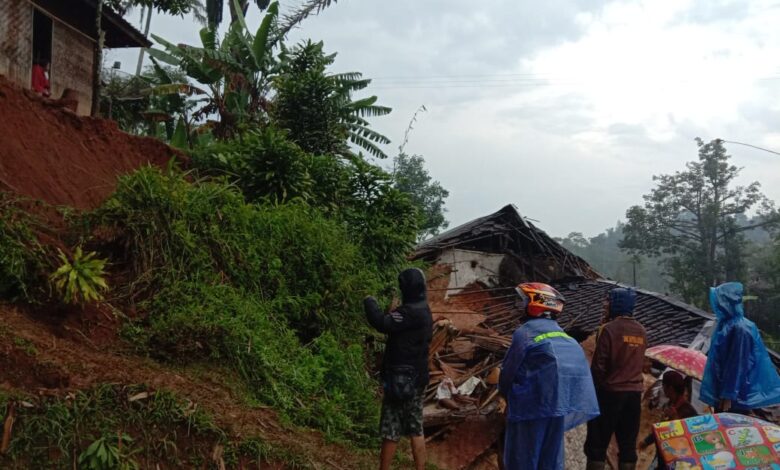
23 259
322 384
103 428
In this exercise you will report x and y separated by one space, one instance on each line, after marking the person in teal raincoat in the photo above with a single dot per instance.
546 381
739 376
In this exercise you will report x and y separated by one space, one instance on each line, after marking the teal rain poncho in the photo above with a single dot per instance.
548 388
738 365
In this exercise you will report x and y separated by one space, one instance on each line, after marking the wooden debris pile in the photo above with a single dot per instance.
472 330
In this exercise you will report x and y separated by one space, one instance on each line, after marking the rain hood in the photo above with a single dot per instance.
621 302
412 284
738 365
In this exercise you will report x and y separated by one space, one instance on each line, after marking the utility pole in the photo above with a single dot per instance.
634 261
98 58
148 11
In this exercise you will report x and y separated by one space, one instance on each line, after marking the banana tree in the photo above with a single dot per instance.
236 71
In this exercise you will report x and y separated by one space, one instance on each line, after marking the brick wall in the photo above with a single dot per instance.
16 40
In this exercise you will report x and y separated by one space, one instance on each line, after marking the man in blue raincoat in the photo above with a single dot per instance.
547 384
739 376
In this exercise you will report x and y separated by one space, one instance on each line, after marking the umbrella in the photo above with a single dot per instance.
688 361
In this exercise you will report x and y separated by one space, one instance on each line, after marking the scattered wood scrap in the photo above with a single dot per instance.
471 333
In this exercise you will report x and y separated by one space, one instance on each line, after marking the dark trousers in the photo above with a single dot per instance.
620 415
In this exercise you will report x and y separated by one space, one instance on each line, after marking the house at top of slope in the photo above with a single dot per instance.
504 249
62 33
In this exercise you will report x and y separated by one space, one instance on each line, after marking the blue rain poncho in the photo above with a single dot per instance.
546 381
738 365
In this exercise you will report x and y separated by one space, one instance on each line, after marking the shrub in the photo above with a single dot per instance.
168 230
265 165
379 218
324 384
274 292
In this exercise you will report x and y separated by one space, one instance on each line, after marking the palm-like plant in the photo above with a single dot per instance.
82 279
317 107
354 113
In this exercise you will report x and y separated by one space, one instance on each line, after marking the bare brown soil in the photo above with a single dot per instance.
49 153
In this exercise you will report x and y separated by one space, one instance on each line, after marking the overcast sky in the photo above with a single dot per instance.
565 108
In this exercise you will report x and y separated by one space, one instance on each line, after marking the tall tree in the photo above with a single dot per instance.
692 217
427 195
412 178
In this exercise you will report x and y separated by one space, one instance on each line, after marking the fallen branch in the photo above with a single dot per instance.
8 426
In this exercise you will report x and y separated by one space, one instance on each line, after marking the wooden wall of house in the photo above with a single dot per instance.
71 65
72 53
16 22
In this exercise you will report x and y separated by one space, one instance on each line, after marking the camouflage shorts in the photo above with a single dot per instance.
401 418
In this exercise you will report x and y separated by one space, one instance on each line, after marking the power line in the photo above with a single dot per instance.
749 145
513 83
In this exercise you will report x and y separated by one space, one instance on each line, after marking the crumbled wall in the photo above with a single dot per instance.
469 267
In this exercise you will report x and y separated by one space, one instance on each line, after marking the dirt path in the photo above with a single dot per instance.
67 362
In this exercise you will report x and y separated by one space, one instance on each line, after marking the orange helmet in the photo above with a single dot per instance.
539 298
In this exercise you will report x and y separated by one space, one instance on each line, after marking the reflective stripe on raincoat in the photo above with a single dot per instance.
545 374
738 365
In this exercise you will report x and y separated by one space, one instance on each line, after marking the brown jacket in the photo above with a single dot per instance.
619 357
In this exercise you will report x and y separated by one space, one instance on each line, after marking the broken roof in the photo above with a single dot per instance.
509 233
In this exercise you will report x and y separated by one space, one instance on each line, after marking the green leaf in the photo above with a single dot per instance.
179 139
242 22
208 37
260 45
163 56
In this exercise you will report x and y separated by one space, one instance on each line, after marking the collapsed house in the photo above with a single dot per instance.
475 269
64 35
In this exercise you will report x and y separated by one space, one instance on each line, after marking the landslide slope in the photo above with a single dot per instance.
67 379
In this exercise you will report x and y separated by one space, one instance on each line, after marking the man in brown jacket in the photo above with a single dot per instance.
617 374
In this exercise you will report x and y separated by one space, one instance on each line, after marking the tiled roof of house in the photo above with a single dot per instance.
667 320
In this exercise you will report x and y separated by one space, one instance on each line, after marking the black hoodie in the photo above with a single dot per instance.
409 327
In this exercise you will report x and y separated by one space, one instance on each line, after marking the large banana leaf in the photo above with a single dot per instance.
208 37
260 47
163 56
365 107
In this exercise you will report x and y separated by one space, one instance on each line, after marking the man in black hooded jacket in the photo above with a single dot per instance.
405 366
